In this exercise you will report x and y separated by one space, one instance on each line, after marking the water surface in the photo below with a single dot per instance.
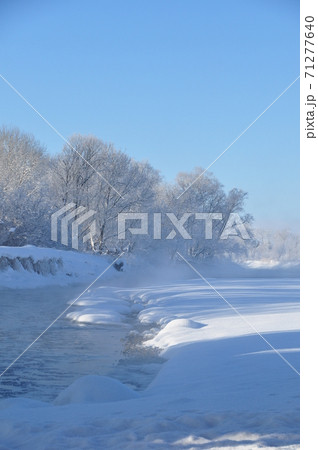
63 354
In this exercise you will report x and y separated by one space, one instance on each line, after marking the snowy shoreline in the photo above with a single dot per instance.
215 383
30 266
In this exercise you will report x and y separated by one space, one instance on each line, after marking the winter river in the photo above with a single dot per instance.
64 353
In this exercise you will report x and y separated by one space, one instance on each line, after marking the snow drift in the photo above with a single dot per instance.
222 385
95 389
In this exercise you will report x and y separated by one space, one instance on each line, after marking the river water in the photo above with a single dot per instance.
63 354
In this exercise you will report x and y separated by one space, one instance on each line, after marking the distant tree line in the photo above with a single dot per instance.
92 173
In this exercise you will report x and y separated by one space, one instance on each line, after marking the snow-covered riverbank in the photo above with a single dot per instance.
221 385
31 267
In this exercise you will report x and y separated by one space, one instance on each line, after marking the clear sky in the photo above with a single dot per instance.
170 81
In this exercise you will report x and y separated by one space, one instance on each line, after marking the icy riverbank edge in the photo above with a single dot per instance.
221 386
30 266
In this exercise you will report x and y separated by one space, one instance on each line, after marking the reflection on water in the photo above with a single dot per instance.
64 353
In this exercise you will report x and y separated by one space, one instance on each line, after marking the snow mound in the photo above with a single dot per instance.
100 310
183 323
105 318
95 389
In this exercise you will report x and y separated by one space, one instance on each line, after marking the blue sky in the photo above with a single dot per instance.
173 82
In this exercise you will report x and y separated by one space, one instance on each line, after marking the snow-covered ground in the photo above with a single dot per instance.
227 379
30 266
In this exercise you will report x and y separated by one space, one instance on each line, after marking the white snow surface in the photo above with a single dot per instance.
229 378
98 307
61 267
70 267
94 389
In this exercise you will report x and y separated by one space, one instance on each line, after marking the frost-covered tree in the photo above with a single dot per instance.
74 170
23 189
274 246
205 195
94 174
